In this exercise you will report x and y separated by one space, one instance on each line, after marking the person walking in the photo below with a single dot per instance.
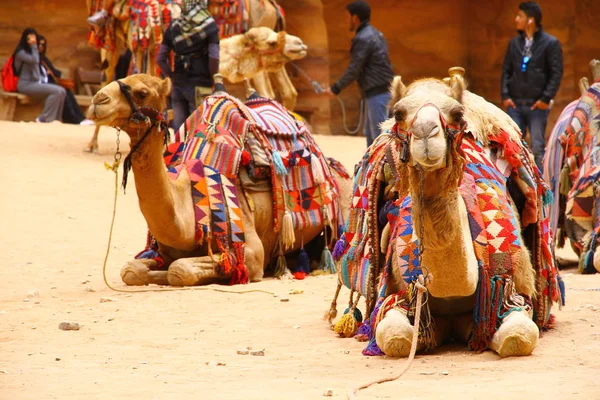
370 66
28 68
194 38
531 75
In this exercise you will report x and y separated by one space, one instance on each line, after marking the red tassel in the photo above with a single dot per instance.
240 271
299 275
245 158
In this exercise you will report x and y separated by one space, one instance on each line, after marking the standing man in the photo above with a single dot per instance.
194 38
369 65
531 76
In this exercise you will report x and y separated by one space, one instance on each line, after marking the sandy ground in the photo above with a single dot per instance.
55 218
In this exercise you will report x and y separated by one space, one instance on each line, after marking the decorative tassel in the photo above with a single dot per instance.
327 264
548 198
246 158
317 169
365 332
288 237
357 314
561 288
564 180
347 325
281 267
240 271
332 312
280 169
339 248
303 262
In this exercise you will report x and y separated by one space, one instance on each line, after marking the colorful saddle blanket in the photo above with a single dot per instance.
212 146
230 15
492 222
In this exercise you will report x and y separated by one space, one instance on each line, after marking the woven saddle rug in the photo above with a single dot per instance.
579 179
212 145
230 15
492 223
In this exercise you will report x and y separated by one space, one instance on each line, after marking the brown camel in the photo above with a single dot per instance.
437 152
167 204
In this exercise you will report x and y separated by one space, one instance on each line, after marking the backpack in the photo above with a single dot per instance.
9 78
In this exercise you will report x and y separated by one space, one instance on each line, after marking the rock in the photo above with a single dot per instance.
328 393
106 300
57 359
68 326
296 326
243 352
284 299
258 352
84 282
215 364
89 289
296 291
444 373
33 293
3 371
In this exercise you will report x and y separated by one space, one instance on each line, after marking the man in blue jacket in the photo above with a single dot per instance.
531 76
370 66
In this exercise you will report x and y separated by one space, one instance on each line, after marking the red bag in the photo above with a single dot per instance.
9 78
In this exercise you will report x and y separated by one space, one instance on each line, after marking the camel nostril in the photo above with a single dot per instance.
100 98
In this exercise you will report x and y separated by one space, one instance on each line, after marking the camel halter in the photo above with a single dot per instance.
148 115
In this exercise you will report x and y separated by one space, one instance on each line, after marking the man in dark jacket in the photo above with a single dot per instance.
370 66
531 76
194 38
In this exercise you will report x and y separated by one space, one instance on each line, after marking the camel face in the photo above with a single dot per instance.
268 41
422 113
294 48
111 107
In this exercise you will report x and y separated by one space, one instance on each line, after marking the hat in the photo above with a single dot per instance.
361 9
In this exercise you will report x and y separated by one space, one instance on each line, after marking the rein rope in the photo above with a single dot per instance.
139 114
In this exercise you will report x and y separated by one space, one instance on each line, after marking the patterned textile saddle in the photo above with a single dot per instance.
573 168
492 223
212 146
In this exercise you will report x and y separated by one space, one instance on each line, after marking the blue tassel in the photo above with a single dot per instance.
303 262
563 292
339 248
327 264
588 263
548 197
148 254
372 349
280 169
357 314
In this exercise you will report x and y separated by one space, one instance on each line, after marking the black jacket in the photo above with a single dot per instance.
370 64
544 71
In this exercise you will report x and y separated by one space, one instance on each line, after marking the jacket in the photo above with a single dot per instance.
370 63
541 79
28 65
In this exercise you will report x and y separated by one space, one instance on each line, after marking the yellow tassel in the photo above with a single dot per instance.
347 326
288 237
564 181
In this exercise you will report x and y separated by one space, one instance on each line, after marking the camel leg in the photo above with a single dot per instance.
92 146
517 336
286 88
263 86
137 273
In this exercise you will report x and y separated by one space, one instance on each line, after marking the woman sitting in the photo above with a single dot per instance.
28 68
71 112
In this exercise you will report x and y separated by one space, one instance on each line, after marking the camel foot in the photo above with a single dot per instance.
394 334
517 336
91 149
183 274
137 273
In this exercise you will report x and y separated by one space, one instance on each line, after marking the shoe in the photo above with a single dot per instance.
39 120
87 122
98 19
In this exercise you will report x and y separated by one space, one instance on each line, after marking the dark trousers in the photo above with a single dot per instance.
535 121
183 101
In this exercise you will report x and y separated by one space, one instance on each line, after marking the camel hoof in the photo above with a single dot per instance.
394 334
135 274
181 275
517 336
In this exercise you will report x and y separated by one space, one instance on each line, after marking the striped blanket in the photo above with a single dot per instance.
491 218
212 145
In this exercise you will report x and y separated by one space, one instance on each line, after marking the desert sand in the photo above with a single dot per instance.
56 212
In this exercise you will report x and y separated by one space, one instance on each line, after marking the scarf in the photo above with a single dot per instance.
193 26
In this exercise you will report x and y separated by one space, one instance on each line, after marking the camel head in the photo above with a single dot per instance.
110 106
267 41
426 112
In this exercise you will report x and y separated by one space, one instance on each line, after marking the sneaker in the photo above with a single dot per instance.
99 18
39 120
86 122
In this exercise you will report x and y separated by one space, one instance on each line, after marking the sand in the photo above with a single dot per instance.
56 211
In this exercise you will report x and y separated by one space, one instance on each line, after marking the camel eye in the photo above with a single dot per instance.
140 94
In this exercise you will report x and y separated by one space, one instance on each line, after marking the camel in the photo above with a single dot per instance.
167 203
570 166
424 169
256 51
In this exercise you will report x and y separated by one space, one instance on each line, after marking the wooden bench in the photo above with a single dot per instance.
20 107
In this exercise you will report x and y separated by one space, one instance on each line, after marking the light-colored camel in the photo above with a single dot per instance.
449 253
256 51
167 204
563 170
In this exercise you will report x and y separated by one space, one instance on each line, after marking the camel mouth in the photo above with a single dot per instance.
430 163
296 53
100 114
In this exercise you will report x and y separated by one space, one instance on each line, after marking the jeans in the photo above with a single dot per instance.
536 121
377 112
183 101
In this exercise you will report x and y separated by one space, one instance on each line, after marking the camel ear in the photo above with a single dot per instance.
457 83
252 36
584 85
165 87
397 90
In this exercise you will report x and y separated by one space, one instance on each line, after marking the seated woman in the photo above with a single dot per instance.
28 68
71 112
